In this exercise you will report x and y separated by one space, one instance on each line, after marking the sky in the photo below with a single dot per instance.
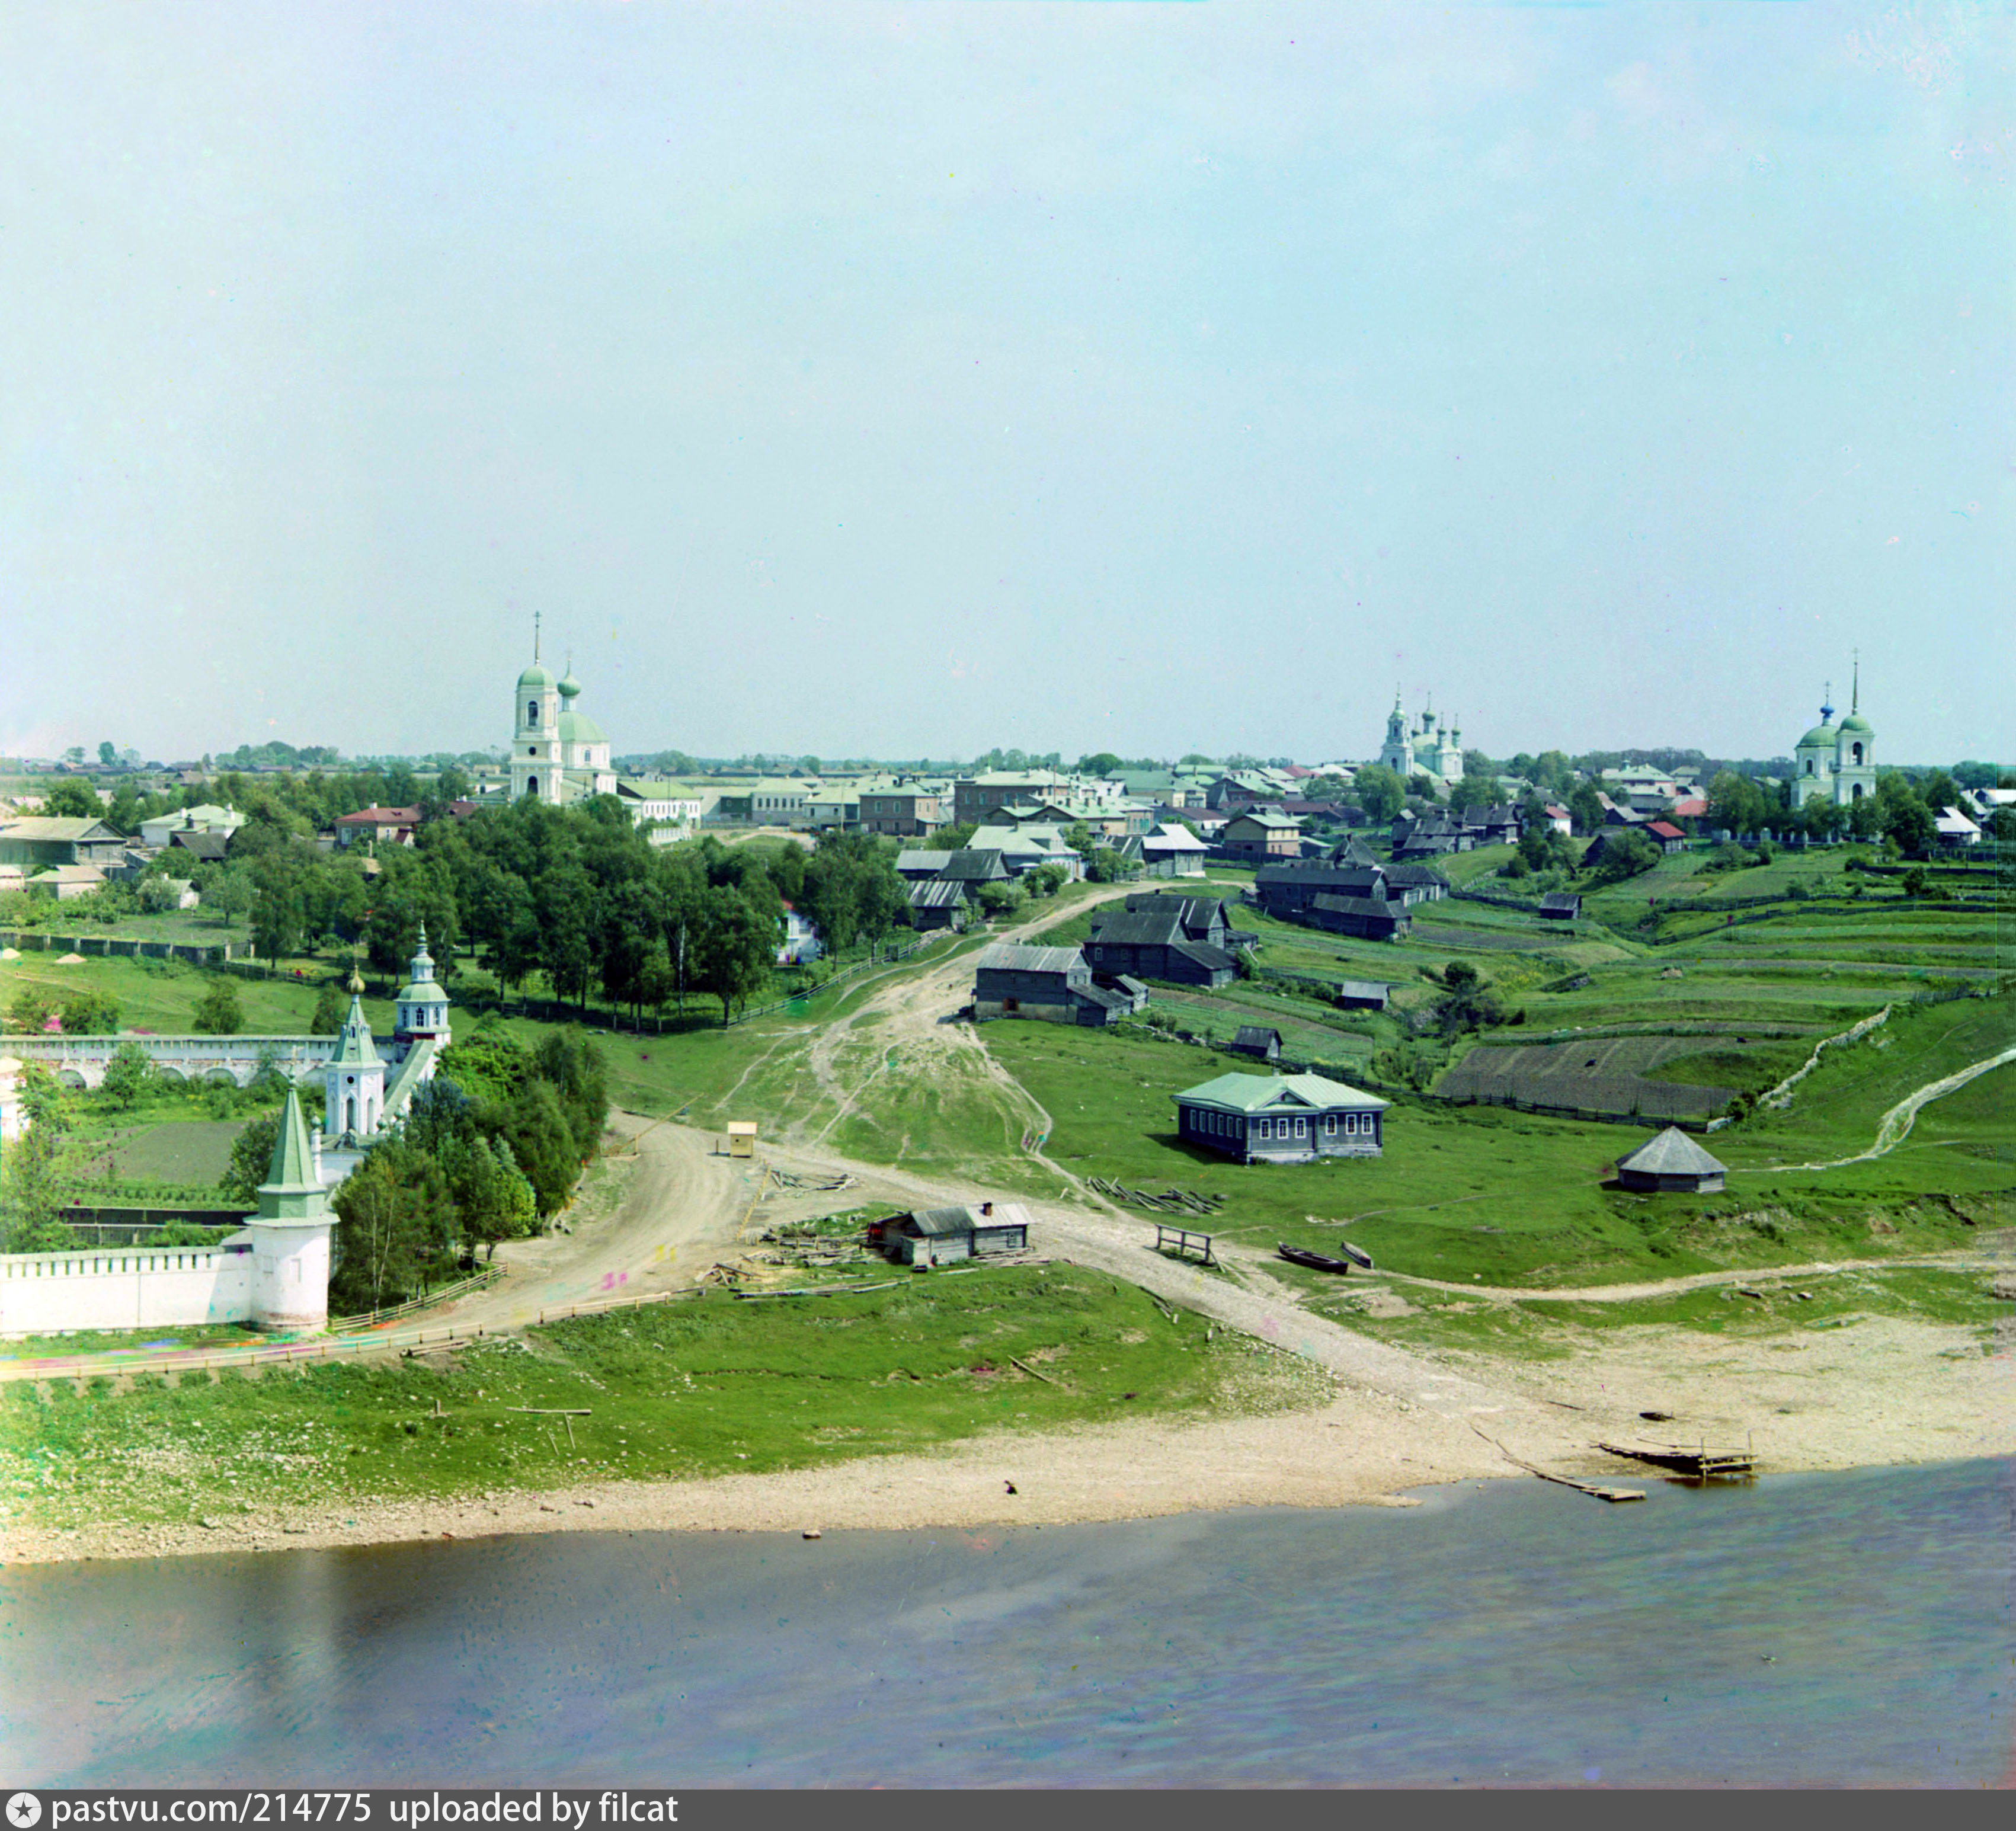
892 379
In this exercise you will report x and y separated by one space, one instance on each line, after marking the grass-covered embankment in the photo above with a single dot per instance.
705 1387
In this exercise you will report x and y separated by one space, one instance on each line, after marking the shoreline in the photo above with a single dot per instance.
1832 1404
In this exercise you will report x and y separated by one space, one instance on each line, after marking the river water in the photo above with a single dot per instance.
1853 1628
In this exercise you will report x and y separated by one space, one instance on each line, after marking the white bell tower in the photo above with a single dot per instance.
536 762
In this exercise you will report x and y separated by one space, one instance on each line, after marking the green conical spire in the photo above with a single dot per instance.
354 1047
291 1190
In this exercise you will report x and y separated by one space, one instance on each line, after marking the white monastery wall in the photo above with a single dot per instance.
158 1287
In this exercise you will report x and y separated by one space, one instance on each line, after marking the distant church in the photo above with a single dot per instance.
1836 763
557 754
1430 748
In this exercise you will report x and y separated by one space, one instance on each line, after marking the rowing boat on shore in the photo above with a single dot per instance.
1316 1261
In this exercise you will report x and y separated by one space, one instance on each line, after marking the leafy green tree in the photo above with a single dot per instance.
541 1142
31 1206
1381 793
395 1228
494 1198
1544 848
89 1013
1470 1004
108 753
514 947
251 1158
71 800
566 947
218 1012
230 893
158 896
330 1011
31 1011
1908 826
1585 808
734 949
998 900
1938 792
129 1076
1474 791
1626 852
885 898
1100 763
489 1064
574 1066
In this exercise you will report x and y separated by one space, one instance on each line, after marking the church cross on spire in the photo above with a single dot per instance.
535 636
1855 687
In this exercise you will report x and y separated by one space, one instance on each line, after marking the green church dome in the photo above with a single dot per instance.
1822 737
570 687
1855 721
536 678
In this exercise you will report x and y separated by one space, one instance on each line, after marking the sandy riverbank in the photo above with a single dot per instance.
1880 1392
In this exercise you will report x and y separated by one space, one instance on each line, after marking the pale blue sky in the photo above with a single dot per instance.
896 379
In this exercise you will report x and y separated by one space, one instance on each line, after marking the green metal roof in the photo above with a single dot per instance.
353 1047
535 676
1821 737
1855 721
578 727
570 687
424 991
291 1190
1271 1093
412 1071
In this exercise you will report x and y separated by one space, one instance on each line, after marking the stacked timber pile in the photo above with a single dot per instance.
1171 1201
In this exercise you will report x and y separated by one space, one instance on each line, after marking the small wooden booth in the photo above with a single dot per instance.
742 1138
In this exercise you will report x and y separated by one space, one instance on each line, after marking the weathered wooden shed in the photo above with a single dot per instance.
936 1236
1671 1162
1258 1040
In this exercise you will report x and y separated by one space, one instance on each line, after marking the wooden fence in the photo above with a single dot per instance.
426 1300
30 940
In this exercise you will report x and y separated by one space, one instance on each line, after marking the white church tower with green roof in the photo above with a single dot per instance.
354 1083
557 753
422 1010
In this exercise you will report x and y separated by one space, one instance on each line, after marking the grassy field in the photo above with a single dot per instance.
1549 1330
1513 1199
161 995
707 1387
196 927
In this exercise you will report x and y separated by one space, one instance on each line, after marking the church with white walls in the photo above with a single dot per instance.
1836 762
1431 747
558 754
